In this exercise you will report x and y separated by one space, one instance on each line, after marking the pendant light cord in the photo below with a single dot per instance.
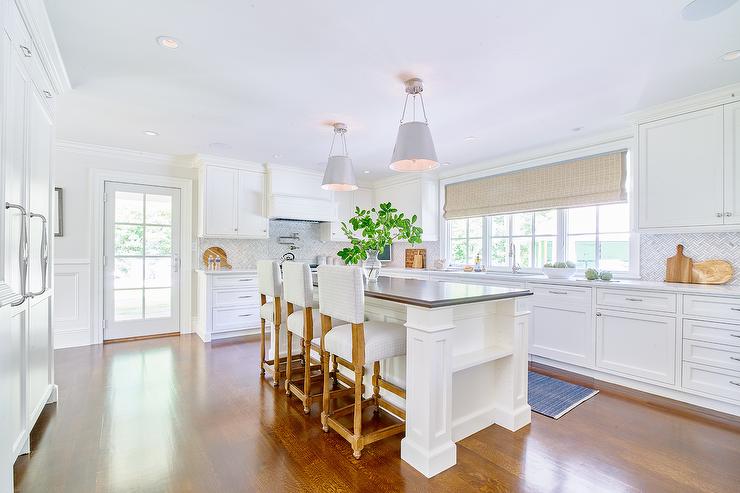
413 107
344 142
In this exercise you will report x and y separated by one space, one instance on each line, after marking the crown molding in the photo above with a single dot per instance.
572 149
198 160
270 167
406 177
140 157
37 21
707 99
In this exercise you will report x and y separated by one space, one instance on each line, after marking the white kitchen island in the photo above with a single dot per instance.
466 362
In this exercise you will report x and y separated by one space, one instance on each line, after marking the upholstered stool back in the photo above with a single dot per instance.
297 284
341 293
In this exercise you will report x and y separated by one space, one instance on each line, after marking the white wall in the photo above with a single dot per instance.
72 252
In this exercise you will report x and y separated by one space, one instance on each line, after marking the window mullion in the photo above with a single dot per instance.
598 241
562 235
485 241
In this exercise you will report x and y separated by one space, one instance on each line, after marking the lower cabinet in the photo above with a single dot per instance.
561 325
228 304
636 344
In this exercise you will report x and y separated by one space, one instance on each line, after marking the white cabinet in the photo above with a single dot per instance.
27 132
681 170
636 344
228 304
296 194
232 202
732 163
561 325
417 196
345 203
689 171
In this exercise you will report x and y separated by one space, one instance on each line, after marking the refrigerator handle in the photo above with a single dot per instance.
43 253
22 252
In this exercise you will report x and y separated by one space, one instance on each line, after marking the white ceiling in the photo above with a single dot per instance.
264 76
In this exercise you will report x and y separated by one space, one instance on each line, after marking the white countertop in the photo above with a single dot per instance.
223 272
725 290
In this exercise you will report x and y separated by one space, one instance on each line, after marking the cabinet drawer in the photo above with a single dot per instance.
554 295
231 318
706 353
715 381
712 306
641 300
241 281
242 297
719 332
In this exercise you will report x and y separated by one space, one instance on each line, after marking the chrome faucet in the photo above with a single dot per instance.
288 256
512 259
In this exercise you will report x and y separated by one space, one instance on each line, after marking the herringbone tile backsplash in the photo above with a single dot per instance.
656 248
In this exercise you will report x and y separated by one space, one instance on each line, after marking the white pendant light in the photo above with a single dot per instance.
414 149
339 175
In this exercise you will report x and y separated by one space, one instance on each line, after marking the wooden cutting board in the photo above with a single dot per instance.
711 272
215 251
411 253
678 268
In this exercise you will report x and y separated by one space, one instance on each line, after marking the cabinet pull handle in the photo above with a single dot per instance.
22 253
735 358
734 309
633 299
245 279
244 296
557 292
43 253
26 51
734 335
735 383
245 315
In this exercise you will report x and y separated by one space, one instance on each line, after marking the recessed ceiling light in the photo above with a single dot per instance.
577 129
471 138
731 55
697 10
367 171
151 133
275 156
445 164
168 42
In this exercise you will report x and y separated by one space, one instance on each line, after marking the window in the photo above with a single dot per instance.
599 237
466 239
589 236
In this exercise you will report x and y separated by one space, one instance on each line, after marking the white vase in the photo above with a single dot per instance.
371 266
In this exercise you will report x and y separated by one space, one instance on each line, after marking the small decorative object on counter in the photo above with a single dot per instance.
211 263
370 231
591 274
218 263
605 275
468 268
440 263
410 258
214 253
477 267
559 270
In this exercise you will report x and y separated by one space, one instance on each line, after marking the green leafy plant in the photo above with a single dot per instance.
375 229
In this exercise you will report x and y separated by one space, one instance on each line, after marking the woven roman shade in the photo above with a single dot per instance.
594 180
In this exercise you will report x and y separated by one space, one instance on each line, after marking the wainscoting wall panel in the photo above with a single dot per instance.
71 303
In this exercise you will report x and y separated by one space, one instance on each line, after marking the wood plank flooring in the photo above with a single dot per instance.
176 415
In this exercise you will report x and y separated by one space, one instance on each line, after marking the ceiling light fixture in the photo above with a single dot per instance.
698 10
576 129
731 55
471 138
168 42
339 175
367 171
219 146
151 133
445 164
275 156
414 150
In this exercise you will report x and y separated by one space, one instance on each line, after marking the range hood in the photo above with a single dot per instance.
298 208
297 195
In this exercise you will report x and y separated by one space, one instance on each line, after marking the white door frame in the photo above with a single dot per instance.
98 177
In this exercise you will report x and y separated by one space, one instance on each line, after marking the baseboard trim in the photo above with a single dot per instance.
141 338
68 338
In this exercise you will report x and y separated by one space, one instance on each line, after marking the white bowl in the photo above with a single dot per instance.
559 273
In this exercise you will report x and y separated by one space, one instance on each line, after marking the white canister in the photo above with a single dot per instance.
321 259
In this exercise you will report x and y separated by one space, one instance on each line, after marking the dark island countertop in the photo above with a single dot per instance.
437 294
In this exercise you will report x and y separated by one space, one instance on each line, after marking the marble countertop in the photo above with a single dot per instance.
724 289
223 272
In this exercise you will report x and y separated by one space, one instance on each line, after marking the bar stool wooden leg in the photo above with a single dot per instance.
263 300
358 359
376 386
307 336
335 369
325 327
276 343
289 356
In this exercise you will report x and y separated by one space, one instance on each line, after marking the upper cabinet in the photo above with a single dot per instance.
688 171
419 196
232 201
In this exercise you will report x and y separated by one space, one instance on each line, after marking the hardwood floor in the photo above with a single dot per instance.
176 415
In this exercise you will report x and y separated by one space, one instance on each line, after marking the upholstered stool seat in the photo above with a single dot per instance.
267 311
296 321
383 340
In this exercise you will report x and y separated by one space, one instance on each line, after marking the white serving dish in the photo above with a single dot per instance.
559 273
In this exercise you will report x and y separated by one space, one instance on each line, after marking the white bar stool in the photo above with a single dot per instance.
298 293
270 284
341 295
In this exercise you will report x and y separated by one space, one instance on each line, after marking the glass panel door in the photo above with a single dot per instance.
141 260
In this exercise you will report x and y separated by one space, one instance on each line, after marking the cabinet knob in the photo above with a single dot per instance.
719 214
26 51
47 94
728 214
598 314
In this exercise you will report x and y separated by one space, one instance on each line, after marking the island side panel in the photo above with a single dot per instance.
428 445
